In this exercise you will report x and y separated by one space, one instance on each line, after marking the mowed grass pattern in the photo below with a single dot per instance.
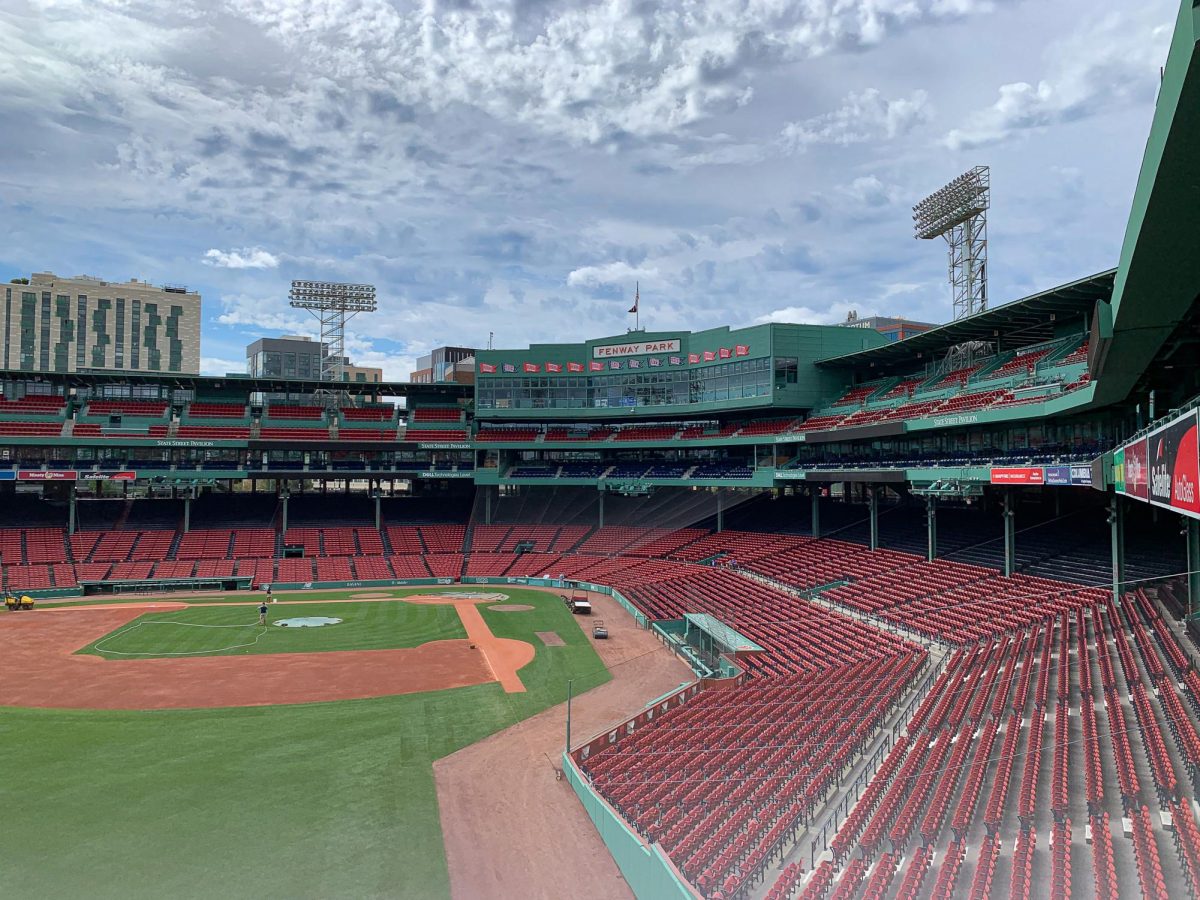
222 630
323 800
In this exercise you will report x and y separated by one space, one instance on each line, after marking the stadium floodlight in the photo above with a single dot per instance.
334 304
958 213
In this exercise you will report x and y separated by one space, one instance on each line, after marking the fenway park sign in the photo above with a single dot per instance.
636 348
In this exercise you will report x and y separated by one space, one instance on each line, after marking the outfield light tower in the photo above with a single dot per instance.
958 213
334 304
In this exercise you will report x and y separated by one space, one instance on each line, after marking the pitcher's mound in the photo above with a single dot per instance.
511 607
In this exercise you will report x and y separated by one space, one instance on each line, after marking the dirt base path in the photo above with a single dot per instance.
499 799
43 670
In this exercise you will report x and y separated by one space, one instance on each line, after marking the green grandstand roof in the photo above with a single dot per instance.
1020 323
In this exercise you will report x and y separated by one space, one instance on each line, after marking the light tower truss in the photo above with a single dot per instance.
333 304
958 213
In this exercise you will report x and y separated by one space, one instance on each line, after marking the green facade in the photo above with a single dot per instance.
667 373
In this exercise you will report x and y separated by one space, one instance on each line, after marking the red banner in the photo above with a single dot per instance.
553 367
1137 471
709 356
39 475
693 357
574 367
596 366
725 353
532 367
742 350
1021 475
1174 458
487 368
109 476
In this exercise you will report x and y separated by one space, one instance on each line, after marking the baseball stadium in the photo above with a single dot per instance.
772 612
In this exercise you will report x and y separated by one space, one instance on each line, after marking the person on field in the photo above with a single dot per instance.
262 613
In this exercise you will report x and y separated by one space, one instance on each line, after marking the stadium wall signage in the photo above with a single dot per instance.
1068 476
39 475
1173 459
635 348
1018 475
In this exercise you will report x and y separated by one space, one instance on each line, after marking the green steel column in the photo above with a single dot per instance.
873 506
487 505
1193 558
71 510
187 513
720 512
378 507
816 512
931 522
1010 535
601 516
1116 523
284 498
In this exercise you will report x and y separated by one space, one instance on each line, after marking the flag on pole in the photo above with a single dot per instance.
637 296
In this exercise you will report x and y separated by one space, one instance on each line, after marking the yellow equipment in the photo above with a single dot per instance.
14 602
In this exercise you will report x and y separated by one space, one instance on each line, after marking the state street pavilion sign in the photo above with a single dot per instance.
635 348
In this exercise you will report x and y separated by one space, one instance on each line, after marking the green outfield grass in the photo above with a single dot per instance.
315 801
234 630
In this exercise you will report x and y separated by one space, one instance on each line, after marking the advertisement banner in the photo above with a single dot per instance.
1058 476
487 368
1174 464
108 476
8 475
1119 470
1081 476
39 475
1137 474
1018 475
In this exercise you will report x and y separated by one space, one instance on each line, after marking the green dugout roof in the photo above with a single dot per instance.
724 635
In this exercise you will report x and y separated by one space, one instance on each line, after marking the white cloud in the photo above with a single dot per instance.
806 315
863 117
1104 67
245 258
264 314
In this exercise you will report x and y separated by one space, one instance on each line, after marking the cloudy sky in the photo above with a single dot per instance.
515 166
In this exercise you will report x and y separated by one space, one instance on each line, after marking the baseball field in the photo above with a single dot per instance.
178 748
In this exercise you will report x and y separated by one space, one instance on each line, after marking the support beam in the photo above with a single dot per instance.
816 512
1116 523
720 511
187 513
931 525
601 516
1193 557
284 500
1010 535
378 507
487 505
873 507
71 509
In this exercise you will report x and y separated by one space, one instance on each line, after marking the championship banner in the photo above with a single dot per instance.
1174 463
574 367
655 362
596 366
676 361
1137 475
509 367
635 364
709 356
553 367
724 353
614 364
742 350
693 357
487 368
532 367
1018 475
